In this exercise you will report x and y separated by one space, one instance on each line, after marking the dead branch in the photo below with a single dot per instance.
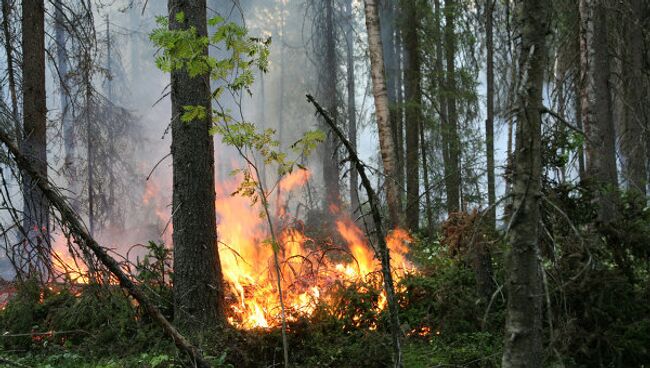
384 253
69 217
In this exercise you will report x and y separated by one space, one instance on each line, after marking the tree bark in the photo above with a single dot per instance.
412 78
392 57
596 107
352 108
198 281
330 155
523 333
34 141
635 112
382 111
452 175
489 121
441 85
11 73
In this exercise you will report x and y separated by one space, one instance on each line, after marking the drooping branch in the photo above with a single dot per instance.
384 254
78 230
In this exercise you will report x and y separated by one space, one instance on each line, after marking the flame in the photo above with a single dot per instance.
64 264
307 276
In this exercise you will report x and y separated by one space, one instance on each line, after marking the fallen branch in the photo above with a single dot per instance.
69 217
384 254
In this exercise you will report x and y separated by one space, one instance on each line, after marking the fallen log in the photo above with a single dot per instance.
79 232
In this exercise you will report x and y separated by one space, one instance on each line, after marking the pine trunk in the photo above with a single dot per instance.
34 140
597 118
452 177
523 334
198 282
352 108
489 121
413 112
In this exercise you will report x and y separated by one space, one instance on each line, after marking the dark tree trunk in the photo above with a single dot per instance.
198 282
352 108
427 185
635 89
413 108
11 72
34 142
489 121
452 175
392 57
597 108
442 96
330 155
523 334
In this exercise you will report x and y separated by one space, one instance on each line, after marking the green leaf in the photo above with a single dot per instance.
180 17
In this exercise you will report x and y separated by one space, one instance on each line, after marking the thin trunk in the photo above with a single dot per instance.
524 334
489 121
391 47
596 107
453 177
442 95
352 108
6 19
413 109
64 95
90 148
633 145
34 141
382 111
427 189
198 281
330 156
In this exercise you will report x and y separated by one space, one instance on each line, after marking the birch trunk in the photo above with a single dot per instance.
382 111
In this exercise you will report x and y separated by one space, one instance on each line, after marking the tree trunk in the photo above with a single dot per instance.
452 176
635 112
64 94
427 185
11 73
413 108
330 155
392 56
34 142
198 282
382 111
352 108
442 96
523 334
489 121
596 107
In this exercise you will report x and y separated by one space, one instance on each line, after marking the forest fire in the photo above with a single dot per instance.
309 270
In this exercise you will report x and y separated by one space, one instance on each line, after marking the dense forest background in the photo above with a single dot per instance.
324 183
